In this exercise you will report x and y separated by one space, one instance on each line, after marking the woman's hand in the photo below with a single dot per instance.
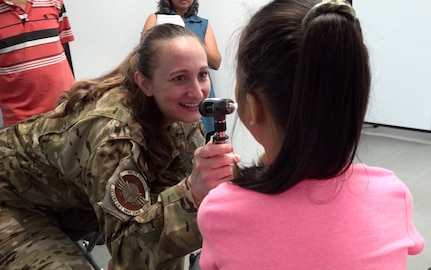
213 165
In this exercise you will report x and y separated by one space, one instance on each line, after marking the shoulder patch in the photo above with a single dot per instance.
130 193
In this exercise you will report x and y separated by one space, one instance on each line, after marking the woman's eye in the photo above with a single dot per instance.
179 78
203 74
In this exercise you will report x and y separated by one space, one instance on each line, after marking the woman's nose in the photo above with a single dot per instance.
198 90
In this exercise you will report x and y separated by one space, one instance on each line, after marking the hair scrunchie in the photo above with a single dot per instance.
342 7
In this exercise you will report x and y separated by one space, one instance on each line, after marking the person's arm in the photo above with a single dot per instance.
149 23
65 34
64 28
164 230
138 232
213 54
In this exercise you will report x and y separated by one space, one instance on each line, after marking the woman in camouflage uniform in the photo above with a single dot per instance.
122 154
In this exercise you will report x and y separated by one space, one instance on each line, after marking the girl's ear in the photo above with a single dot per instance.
143 83
255 117
256 110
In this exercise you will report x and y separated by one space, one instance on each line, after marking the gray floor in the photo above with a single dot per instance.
408 154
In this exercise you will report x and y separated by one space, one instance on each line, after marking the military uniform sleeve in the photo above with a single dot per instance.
139 234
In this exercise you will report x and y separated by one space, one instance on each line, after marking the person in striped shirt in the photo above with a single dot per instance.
34 68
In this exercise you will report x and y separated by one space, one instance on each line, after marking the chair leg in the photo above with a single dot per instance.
94 239
87 246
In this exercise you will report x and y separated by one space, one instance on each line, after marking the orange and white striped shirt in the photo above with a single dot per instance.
34 70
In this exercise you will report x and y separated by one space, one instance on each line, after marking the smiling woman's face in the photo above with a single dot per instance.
180 80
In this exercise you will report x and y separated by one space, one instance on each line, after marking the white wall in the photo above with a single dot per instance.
398 34
106 30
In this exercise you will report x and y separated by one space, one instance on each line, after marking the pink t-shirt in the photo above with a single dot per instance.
359 221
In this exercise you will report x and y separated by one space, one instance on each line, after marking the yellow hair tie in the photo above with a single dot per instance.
342 7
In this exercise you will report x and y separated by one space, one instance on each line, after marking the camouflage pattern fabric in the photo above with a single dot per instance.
31 240
82 171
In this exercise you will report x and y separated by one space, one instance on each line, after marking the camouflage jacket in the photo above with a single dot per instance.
86 165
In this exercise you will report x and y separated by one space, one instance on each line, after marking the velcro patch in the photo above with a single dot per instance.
130 193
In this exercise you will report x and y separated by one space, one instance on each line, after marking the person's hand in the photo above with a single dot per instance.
213 165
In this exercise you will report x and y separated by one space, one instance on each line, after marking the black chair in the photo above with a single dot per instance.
194 260
86 241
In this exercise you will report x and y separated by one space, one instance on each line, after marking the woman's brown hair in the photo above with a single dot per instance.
145 111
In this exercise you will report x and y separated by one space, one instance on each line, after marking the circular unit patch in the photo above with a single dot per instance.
130 193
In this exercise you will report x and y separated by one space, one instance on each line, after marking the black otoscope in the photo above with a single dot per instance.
218 108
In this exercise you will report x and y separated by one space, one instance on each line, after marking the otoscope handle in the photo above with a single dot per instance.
220 137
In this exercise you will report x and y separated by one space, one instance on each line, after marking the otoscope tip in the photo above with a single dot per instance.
232 106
